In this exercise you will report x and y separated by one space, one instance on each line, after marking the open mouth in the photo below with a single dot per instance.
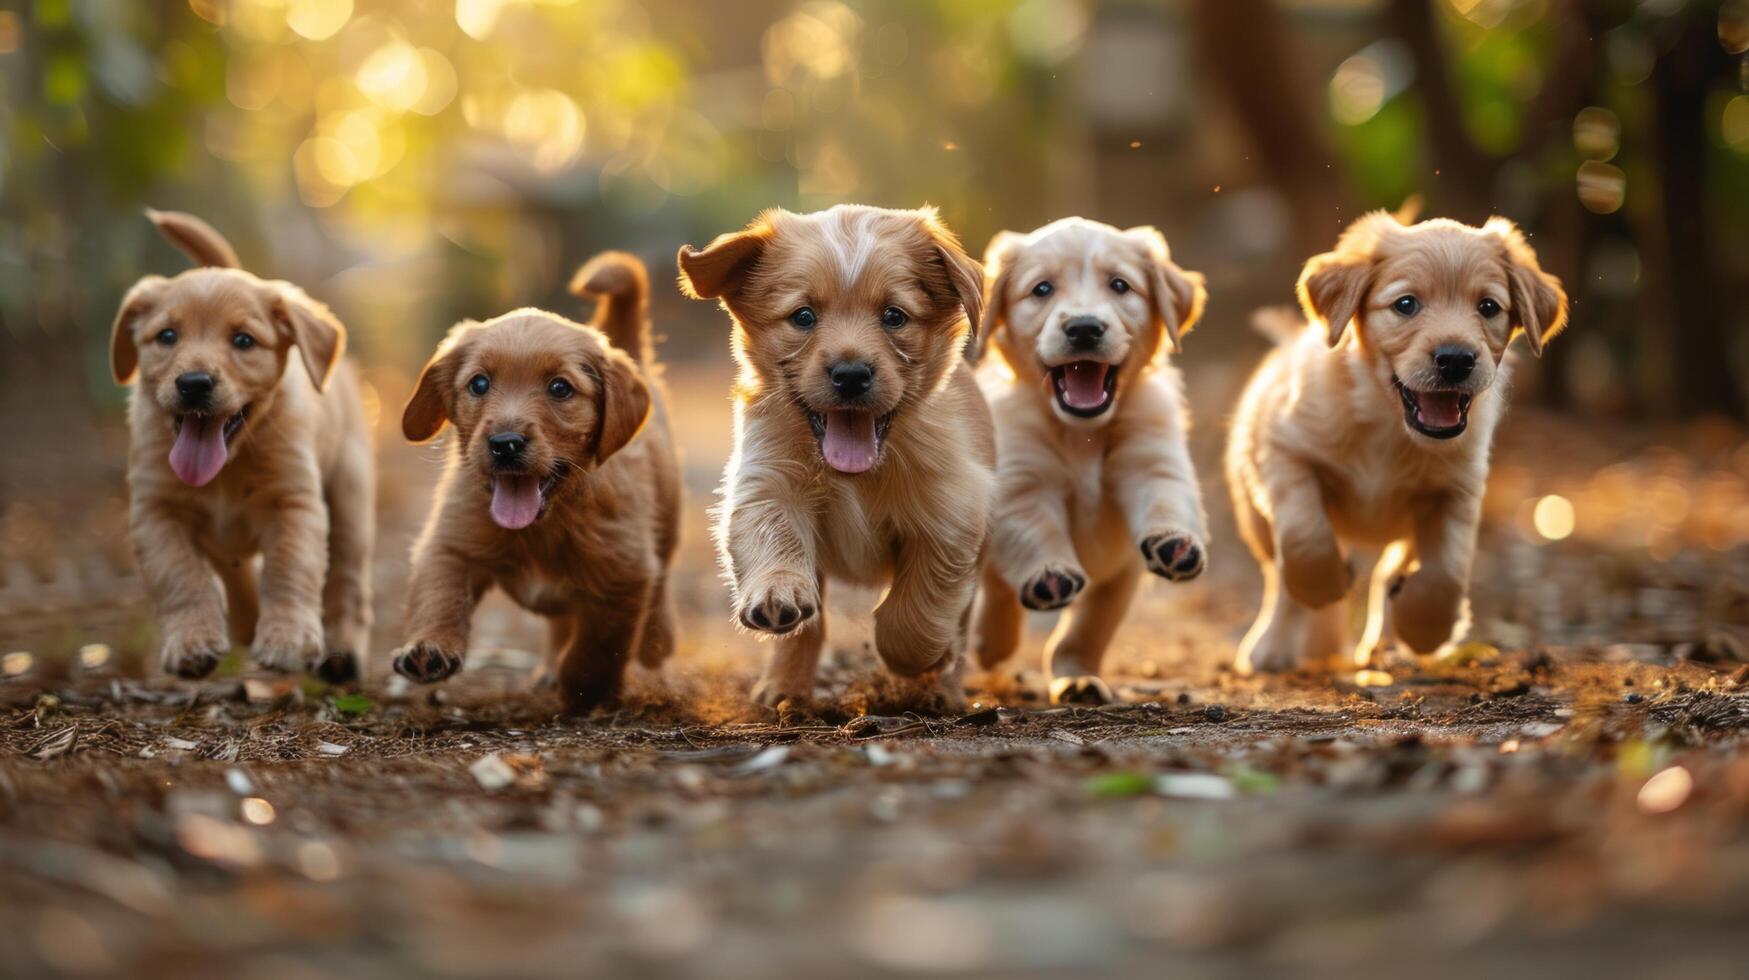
519 499
1436 413
203 445
850 439
1084 388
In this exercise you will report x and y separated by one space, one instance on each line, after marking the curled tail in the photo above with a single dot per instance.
197 239
621 287
1280 324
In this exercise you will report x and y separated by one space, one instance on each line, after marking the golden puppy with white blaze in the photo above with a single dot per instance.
863 450
1090 428
1372 426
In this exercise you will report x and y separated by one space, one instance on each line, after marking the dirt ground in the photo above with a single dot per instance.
1563 795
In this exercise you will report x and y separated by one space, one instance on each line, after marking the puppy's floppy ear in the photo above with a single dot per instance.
310 327
124 354
718 269
1178 294
197 239
623 402
1539 304
1333 285
999 258
963 271
428 407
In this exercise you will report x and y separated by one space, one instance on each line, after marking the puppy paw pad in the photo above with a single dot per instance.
1175 557
775 612
426 664
1084 689
339 667
1051 589
193 664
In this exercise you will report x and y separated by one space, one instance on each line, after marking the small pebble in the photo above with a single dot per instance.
1215 712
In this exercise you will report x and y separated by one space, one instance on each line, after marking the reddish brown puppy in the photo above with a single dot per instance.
562 488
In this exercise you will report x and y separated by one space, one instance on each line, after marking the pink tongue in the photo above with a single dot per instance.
1439 409
515 501
849 444
199 452
1084 384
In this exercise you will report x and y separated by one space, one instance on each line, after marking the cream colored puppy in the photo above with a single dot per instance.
1372 426
1090 431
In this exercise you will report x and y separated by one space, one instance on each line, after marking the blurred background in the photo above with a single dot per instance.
412 162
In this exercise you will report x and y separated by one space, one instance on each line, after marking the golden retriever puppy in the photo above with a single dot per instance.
863 449
1090 435
1371 426
248 440
561 488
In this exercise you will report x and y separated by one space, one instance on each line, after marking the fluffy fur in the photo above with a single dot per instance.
1371 426
248 440
592 551
883 482
1090 428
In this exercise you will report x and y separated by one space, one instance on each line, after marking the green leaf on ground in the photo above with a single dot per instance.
1116 784
353 704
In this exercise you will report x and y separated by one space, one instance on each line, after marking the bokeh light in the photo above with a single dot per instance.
1554 517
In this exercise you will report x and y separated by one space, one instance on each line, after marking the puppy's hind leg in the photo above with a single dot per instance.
998 618
242 602
1381 633
561 633
346 610
657 643
590 672
1077 647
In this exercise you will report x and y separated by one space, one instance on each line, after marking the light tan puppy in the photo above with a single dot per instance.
1090 429
556 489
249 440
1372 426
863 450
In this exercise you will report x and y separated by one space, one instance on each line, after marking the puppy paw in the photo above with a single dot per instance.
1316 577
1083 689
338 667
289 647
778 604
1425 611
426 663
194 653
771 692
1174 555
1052 589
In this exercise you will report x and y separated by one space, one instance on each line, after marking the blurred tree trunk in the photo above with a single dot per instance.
1243 46
1702 311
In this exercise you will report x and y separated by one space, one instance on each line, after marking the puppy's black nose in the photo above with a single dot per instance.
506 447
1084 332
196 388
1455 363
851 379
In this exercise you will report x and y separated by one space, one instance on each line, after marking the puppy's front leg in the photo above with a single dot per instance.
1155 484
1029 542
441 596
191 613
1313 569
294 550
919 626
1427 607
772 568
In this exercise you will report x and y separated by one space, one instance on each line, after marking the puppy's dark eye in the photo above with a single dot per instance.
1488 308
804 318
1119 285
242 341
893 318
1043 289
559 389
166 337
1408 306
479 385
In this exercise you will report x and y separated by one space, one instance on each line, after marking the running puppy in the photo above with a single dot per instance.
863 449
1090 427
1371 426
248 439
556 489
